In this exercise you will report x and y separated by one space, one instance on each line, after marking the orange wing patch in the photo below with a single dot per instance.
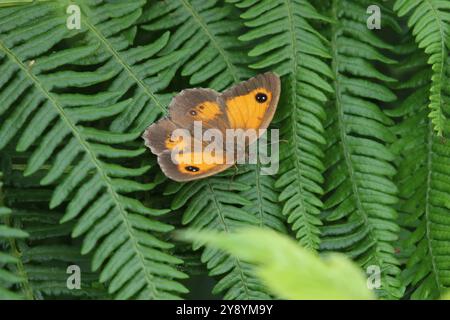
205 111
175 142
195 163
247 111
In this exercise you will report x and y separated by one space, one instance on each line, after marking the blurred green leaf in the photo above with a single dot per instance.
289 270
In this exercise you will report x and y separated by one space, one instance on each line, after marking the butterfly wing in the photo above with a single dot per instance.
248 105
183 167
158 137
201 105
252 104
185 159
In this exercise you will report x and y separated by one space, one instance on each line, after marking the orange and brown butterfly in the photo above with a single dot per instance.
247 105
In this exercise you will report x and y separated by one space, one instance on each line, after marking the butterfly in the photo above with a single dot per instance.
248 105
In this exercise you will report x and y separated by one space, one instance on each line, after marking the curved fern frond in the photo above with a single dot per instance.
424 191
284 41
44 256
423 204
430 24
9 280
138 68
359 192
215 204
263 197
217 59
59 113
208 31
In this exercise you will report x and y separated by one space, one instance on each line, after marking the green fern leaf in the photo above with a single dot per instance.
430 24
42 258
8 278
215 204
359 190
217 59
424 191
263 197
285 42
59 125
207 31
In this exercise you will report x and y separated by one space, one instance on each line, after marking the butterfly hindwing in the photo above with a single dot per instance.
184 167
158 137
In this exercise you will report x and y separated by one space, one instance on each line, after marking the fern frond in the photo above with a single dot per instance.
208 32
215 204
217 59
60 127
263 197
261 208
8 278
284 41
359 190
139 69
45 263
424 191
430 24
420 198
43 257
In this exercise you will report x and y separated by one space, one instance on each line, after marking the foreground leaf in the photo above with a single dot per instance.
289 270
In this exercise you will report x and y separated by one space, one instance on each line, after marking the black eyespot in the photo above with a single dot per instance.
193 112
192 169
202 107
261 97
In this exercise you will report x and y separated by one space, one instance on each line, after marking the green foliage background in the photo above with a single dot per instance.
364 166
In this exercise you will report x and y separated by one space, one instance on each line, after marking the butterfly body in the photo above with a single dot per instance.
247 106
